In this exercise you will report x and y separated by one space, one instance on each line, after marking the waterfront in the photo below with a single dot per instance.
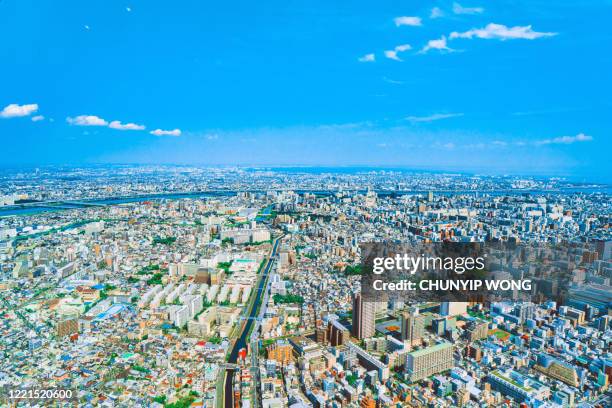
241 341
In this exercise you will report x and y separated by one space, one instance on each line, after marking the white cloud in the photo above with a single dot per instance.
434 117
93 120
212 136
581 137
87 27
392 54
38 118
459 9
439 44
160 132
393 81
436 12
409 21
115 124
128 9
501 32
87 120
368 58
14 110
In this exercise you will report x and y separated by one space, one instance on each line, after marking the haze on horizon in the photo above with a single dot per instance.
518 87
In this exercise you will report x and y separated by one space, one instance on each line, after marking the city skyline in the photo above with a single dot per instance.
305 204
114 291
517 88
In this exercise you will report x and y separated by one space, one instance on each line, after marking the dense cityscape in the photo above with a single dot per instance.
240 287
320 204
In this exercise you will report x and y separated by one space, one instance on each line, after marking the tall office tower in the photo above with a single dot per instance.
337 334
603 323
364 316
321 334
453 308
524 311
413 326
604 249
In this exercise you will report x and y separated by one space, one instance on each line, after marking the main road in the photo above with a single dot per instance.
242 340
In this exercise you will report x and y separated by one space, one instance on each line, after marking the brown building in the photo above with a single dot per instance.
477 330
560 371
364 317
337 334
425 362
280 351
321 335
202 277
463 397
413 327
473 351
367 402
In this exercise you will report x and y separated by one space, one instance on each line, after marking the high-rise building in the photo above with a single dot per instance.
364 317
604 249
428 361
453 308
477 330
413 327
321 335
442 326
603 323
474 351
337 334
524 311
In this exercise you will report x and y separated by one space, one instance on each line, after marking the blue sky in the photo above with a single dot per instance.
496 87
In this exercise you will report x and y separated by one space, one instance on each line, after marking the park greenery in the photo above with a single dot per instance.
225 266
352 270
215 340
148 269
290 298
156 279
164 241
